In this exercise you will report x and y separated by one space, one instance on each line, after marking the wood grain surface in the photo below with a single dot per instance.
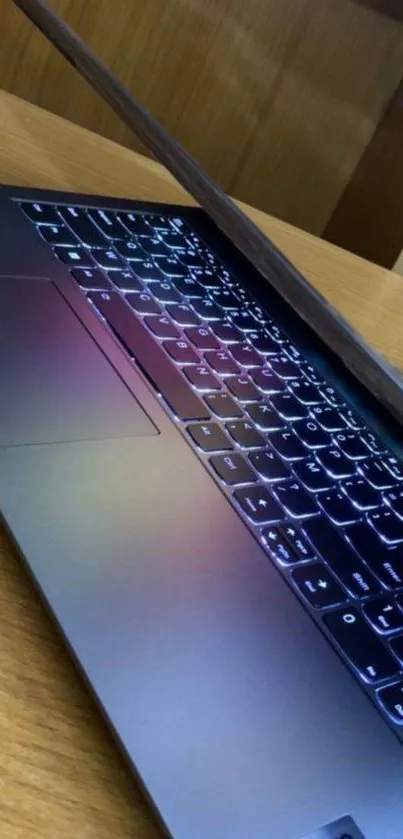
277 100
61 776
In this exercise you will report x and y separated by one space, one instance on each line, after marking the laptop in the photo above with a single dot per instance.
211 506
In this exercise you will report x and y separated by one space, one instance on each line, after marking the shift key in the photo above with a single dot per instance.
341 559
140 344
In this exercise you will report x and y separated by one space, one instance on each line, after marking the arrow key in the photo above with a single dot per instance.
299 545
278 547
259 505
317 585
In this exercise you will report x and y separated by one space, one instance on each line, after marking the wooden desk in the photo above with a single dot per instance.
60 774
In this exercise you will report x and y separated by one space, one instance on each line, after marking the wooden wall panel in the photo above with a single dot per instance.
277 99
368 219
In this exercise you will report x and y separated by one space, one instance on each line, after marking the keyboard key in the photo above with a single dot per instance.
376 474
312 374
58 235
150 356
223 406
221 362
188 286
264 343
206 309
259 505
352 419
206 276
285 369
264 417
318 586
351 445
170 266
192 238
40 213
336 463
108 223
225 298
131 250
266 381
201 378
361 494
191 258
338 507
242 319
391 699
288 445
83 226
246 355
384 614
164 225
330 394
89 278
108 258
297 541
135 223
147 271
293 353
182 314
328 418
386 563
373 443
227 279
388 526
181 352
143 303
243 297
340 557
305 392
257 311
227 333
162 327
245 434
395 500
172 240
209 437
233 469
288 406
269 466
202 338
276 333
295 499
79 257
153 246
243 389
278 546
396 645
311 434
126 280
312 476
394 467
360 644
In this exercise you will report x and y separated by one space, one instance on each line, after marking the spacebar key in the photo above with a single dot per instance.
165 377
360 644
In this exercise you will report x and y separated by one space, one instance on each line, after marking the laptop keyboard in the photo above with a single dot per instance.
317 487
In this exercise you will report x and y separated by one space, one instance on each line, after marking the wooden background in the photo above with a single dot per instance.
278 100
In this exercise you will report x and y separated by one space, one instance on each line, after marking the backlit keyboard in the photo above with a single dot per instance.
316 486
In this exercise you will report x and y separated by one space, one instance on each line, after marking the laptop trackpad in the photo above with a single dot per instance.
56 384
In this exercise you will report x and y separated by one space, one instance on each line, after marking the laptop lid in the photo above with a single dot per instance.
374 372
